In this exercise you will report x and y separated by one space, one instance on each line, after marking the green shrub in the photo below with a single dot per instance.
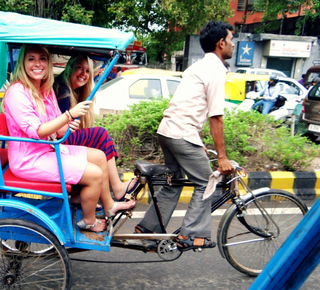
251 139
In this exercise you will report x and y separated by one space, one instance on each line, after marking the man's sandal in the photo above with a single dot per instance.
142 230
188 243
83 226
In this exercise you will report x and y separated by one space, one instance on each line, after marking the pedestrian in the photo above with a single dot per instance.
268 95
200 95
302 78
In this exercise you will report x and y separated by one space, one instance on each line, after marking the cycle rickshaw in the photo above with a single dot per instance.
37 234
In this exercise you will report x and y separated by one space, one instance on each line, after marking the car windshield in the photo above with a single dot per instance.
172 86
289 88
315 93
312 76
109 83
241 71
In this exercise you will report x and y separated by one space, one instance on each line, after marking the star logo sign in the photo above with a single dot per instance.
246 49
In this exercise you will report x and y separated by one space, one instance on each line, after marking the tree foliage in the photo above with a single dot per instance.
162 25
274 9
66 10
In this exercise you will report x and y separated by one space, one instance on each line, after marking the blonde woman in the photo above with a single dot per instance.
32 111
72 86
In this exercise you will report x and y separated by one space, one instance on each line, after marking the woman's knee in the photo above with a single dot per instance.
97 157
93 175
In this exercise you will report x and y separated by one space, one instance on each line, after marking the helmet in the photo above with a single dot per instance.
273 80
315 80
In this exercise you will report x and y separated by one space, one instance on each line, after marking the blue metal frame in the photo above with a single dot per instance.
297 258
57 222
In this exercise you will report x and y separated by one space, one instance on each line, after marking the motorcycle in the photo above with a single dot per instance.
283 109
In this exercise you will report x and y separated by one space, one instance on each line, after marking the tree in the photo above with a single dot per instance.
273 10
66 10
162 25
166 23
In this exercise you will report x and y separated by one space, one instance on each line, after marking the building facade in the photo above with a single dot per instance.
288 53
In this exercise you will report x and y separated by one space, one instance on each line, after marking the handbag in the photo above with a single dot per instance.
280 101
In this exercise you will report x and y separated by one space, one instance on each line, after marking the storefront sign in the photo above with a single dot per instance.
245 53
288 48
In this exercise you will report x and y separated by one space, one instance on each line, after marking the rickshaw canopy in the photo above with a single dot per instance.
60 37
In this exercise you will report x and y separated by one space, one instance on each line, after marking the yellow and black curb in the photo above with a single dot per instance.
301 183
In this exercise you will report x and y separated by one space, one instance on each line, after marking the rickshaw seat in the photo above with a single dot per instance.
3 157
11 180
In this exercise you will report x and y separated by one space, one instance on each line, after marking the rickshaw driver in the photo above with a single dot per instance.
200 94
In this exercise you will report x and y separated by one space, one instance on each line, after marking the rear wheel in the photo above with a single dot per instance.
249 253
24 264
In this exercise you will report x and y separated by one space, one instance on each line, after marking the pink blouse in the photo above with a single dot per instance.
34 161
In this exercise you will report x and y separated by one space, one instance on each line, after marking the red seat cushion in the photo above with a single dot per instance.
11 180
3 157
3 125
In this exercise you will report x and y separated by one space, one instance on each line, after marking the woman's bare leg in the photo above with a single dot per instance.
97 157
119 188
91 182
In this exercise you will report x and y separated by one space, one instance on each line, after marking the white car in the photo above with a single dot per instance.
123 91
292 90
261 71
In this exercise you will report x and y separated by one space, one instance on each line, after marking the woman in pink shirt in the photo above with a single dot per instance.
32 111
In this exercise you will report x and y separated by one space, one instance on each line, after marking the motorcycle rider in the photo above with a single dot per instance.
268 95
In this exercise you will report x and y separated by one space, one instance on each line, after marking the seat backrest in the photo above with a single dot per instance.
3 125
3 131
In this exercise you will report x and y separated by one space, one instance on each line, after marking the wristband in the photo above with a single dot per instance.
68 116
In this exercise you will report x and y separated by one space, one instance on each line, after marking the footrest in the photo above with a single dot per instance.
86 239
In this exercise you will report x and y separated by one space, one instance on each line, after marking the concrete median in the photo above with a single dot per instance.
303 184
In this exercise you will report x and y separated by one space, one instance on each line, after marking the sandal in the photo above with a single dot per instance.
188 243
111 212
83 226
128 192
142 230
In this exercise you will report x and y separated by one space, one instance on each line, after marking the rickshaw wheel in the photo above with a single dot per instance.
23 265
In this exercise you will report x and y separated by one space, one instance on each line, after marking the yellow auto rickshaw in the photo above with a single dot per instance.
239 85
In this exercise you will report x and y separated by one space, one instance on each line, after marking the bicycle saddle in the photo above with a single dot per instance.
151 169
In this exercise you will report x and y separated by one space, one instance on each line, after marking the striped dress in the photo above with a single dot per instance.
95 137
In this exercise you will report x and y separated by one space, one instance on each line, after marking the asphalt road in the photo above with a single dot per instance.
130 269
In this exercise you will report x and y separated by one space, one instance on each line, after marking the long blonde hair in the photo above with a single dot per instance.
80 94
20 75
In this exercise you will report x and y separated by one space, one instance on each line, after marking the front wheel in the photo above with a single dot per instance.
249 253
24 264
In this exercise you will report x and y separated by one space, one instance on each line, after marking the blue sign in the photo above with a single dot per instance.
245 53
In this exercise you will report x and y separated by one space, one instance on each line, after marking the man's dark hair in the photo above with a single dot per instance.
212 32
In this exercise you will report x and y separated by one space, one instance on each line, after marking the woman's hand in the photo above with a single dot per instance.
74 125
80 109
